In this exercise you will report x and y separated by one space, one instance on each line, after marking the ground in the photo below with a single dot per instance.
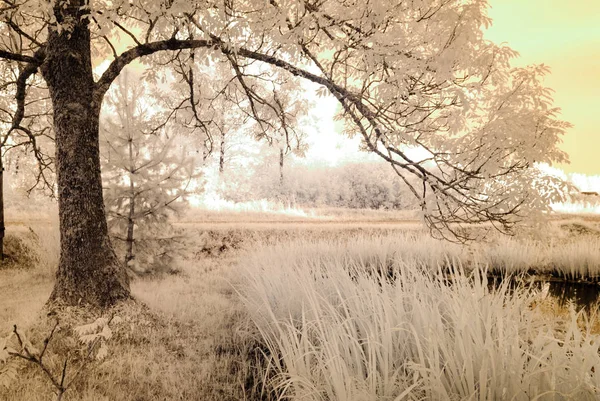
188 335
198 342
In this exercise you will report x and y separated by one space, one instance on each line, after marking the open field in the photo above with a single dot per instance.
347 307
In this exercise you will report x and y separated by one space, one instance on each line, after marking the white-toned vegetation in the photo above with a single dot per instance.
365 320
572 259
346 311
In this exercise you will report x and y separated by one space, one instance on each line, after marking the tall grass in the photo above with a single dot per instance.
571 259
363 320
214 202
577 259
510 255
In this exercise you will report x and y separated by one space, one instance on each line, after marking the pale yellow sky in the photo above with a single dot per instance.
565 35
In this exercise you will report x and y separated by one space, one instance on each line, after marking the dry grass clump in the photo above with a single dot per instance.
339 329
509 255
20 251
577 260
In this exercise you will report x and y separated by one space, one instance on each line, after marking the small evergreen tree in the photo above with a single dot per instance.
146 176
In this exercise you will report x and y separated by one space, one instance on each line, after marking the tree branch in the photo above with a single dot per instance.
19 57
128 56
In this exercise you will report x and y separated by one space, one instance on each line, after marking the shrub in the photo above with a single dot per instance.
20 251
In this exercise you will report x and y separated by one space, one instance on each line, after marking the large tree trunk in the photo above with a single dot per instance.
89 271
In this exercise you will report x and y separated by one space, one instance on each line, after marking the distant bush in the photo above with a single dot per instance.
366 185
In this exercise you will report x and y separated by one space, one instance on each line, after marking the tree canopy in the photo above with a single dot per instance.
416 74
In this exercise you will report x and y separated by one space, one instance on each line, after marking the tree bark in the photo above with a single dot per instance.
281 155
222 153
130 218
2 227
89 272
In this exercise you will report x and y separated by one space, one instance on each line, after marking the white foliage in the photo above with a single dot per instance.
359 320
367 185
147 172
417 74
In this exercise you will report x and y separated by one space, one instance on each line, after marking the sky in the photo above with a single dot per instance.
564 35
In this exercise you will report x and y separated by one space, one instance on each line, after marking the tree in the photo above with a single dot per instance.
218 109
29 136
407 74
282 133
145 177
209 107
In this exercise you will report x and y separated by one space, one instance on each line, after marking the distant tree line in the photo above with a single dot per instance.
357 185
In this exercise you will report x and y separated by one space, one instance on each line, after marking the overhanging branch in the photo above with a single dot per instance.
142 50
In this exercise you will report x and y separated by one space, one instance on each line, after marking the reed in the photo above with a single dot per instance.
363 320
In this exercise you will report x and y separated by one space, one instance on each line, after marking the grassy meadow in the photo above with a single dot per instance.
326 305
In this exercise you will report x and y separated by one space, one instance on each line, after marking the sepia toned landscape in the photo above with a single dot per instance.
297 200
